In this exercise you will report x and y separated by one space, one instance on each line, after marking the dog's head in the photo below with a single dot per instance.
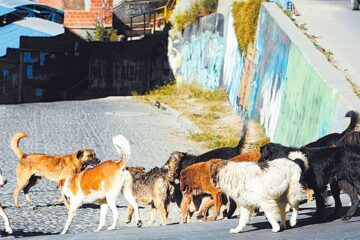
87 157
214 171
185 187
273 151
173 165
3 180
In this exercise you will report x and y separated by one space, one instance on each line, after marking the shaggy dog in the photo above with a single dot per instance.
101 185
155 188
329 140
196 179
270 185
339 164
251 136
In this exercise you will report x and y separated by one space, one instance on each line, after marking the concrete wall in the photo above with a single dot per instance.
286 83
197 56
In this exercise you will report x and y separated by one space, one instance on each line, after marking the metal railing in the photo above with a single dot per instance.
153 20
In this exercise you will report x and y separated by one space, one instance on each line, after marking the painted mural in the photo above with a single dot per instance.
197 57
275 84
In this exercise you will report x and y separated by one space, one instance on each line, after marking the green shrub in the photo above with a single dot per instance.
102 33
198 9
246 15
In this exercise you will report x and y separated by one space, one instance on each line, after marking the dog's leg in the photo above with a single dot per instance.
110 199
293 219
335 191
309 195
152 216
282 207
103 212
271 209
245 215
23 175
128 194
32 182
185 208
130 213
71 215
217 203
163 214
353 194
204 208
6 220
320 204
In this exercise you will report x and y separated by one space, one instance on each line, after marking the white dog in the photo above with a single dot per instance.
8 229
268 185
101 185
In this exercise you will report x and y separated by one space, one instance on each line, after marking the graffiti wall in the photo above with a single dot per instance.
276 84
197 56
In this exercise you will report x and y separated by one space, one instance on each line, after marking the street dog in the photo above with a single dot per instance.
339 164
270 185
251 136
327 141
196 179
154 188
33 167
8 228
101 185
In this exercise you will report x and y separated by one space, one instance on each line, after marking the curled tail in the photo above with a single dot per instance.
253 133
354 121
15 144
122 146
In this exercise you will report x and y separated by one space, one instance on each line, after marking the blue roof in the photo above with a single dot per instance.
33 27
6 10
16 3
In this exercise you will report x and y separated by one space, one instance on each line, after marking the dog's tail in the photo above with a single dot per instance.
253 133
300 159
122 146
173 165
354 122
14 144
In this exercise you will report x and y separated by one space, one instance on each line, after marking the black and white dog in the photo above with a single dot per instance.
338 165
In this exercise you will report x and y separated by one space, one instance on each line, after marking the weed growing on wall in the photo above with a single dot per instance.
197 9
246 14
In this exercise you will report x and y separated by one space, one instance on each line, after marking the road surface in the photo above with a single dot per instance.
337 29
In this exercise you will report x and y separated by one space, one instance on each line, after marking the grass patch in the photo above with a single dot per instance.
208 109
246 14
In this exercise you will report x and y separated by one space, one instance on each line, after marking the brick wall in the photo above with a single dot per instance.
76 14
100 11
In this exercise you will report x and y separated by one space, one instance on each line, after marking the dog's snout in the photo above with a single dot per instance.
5 181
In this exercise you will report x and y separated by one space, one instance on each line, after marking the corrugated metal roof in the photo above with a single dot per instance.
16 3
5 10
32 27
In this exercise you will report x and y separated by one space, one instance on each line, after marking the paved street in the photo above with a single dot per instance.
338 30
65 127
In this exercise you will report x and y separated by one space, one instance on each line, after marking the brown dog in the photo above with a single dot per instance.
33 167
196 179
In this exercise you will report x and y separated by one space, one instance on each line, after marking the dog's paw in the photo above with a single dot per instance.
8 230
276 229
293 222
234 230
63 232
111 228
345 218
139 223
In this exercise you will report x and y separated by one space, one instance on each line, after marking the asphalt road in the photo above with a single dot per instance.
65 127
337 29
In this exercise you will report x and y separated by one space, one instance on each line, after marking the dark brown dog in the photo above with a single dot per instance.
155 188
33 167
196 179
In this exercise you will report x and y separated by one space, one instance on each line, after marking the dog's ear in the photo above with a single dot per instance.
61 183
214 171
80 154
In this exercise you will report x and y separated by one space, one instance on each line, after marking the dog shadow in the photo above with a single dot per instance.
92 206
20 233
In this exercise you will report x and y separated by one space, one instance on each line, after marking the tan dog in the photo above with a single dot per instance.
8 229
102 185
33 167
